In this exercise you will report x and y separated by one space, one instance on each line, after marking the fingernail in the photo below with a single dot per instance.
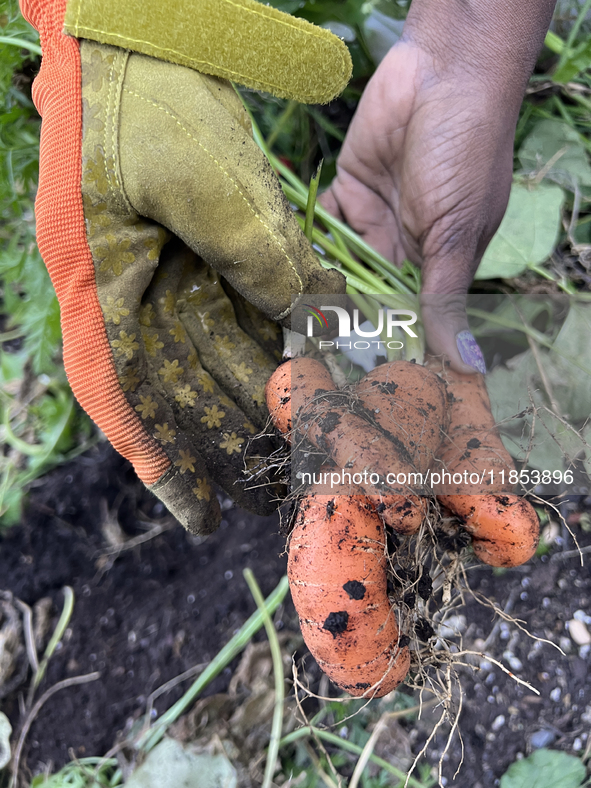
470 352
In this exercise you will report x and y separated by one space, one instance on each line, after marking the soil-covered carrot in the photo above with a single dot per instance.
473 446
299 392
300 377
410 405
337 576
504 526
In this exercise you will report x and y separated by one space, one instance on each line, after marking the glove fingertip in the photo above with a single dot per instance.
191 500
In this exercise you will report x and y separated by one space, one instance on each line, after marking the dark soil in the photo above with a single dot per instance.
141 619
502 720
147 614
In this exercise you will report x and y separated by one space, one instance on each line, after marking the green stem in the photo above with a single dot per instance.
296 192
563 284
311 203
554 43
277 723
343 744
353 281
21 43
281 122
223 658
58 634
357 244
364 304
574 31
349 262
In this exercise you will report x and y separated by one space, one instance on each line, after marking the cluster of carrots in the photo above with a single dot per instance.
406 419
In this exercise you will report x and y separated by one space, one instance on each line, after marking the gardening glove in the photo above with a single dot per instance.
169 242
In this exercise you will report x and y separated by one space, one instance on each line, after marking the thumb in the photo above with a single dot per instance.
443 306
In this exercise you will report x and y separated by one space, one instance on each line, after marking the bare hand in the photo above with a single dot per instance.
425 173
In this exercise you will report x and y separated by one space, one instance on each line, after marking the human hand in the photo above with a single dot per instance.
425 173
172 251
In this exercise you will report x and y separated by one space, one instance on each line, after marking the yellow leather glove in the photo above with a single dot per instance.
168 239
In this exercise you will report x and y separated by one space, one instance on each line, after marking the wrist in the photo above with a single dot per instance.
492 43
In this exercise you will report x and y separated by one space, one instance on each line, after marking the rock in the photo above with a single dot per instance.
579 632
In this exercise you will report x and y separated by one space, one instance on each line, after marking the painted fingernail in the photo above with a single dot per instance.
470 352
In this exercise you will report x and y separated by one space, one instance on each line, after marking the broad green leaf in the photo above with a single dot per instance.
508 311
541 438
569 364
545 769
528 233
537 437
557 142
169 763
381 32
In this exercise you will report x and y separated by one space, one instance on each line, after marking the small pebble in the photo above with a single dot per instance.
555 694
498 722
577 744
580 615
515 664
579 632
565 644
541 739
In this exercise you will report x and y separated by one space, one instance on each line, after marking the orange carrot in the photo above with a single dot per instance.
300 376
355 445
504 526
409 402
337 576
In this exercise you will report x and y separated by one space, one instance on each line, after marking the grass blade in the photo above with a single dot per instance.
58 634
278 676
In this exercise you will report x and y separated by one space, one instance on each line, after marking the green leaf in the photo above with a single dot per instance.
556 141
545 769
587 438
528 233
541 438
12 366
579 59
569 364
169 763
